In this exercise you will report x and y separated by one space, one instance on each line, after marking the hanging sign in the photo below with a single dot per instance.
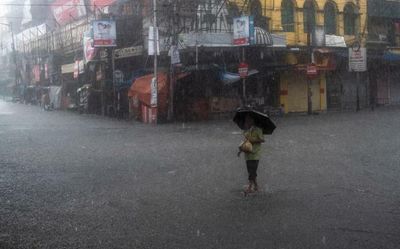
104 33
243 70
118 77
46 71
175 56
358 60
152 40
76 69
243 31
88 50
154 97
36 73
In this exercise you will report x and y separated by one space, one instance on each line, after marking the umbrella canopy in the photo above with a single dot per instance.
260 120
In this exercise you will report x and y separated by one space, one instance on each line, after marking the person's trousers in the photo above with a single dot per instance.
252 166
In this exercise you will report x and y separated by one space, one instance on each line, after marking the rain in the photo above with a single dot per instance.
199 124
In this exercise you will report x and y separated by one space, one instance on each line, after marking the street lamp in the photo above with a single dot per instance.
13 51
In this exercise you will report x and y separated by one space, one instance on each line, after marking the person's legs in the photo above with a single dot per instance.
252 166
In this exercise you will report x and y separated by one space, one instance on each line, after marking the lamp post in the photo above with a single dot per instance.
13 51
155 43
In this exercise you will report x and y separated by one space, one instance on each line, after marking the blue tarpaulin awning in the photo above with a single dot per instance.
392 55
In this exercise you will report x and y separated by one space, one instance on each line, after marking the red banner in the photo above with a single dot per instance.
66 11
36 73
101 3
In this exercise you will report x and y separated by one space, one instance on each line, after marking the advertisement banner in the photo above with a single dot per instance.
175 55
89 52
101 3
152 40
66 11
243 31
357 60
36 73
76 70
46 71
154 93
104 33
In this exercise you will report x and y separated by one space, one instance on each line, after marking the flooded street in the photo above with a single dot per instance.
70 181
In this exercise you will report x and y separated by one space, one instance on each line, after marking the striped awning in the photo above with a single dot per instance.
262 37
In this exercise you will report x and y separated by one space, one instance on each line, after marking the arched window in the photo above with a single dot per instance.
330 18
309 16
257 11
350 18
287 16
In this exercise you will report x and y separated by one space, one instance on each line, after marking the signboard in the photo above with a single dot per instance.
358 60
128 52
104 33
46 71
36 73
154 93
79 68
175 56
312 70
118 77
89 52
151 41
66 11
67 68
243 31
101 3
76 69
243 70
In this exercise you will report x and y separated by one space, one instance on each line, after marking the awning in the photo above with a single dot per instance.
262 37
141 88
224 39
392 55
212 39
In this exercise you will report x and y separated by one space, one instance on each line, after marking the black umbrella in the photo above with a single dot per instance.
260 120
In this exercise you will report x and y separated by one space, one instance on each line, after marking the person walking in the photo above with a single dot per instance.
254 136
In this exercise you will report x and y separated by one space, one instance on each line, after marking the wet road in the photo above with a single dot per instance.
70 181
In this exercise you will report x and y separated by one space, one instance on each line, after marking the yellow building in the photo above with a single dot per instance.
341 18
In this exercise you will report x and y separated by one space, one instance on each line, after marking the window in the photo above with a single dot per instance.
309 16
350 18
256 10
287 16
330 18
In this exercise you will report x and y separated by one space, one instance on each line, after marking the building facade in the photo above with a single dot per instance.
343 23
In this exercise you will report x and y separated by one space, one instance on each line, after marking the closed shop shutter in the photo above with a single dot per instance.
297 95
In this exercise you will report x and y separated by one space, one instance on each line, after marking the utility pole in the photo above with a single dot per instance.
309 82
172 69
155 43
244 80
